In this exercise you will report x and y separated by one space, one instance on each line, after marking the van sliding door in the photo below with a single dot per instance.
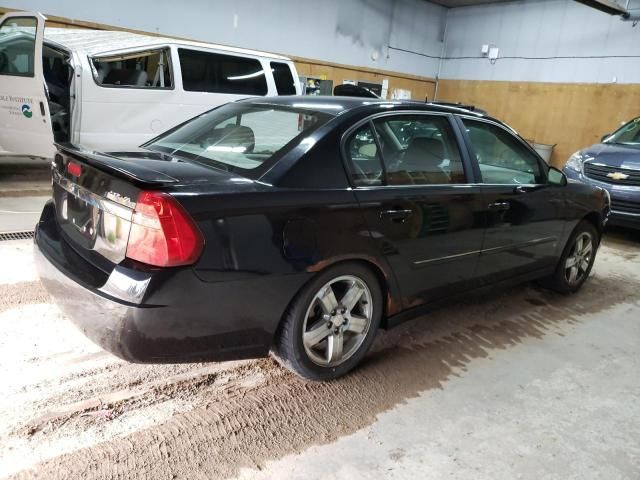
25 125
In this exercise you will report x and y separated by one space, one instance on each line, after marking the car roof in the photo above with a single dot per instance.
337 105
101 42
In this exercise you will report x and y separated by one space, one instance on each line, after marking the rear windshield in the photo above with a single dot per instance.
239 136
628 134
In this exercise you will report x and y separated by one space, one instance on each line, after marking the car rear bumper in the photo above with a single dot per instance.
101 319
178 318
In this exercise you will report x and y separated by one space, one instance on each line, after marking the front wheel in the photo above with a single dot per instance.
331 323
577 259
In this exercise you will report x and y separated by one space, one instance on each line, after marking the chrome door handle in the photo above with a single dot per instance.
396 215
522 189
499 206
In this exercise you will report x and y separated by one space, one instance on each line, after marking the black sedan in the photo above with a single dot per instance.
613 164
301 226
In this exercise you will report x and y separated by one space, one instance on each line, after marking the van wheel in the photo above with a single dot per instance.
331 323
577 259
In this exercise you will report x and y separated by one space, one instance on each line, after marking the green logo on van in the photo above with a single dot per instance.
26 110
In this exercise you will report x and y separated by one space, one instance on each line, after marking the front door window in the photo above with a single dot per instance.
502 158
17 46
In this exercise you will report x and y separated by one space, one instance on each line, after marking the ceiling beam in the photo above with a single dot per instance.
607 6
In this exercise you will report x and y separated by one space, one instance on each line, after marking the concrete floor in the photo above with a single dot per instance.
566 406
19 214
25 186
520 383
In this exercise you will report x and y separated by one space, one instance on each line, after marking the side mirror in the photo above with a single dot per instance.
556 177
604 137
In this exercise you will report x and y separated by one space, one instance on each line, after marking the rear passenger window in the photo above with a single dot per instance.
502 158
285 85
219 73
149 69
366 164
419 150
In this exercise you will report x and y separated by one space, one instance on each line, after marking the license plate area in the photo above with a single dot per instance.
91 221
84 216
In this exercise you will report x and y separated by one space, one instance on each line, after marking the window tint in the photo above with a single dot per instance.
502 157
365 158
218 73
17 46
283 77
419 149
150 69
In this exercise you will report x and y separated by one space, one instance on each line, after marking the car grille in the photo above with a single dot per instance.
599 172
625 206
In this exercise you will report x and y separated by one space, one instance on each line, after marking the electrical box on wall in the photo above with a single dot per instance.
484 50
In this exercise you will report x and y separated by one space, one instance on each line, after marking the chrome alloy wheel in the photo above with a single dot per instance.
337 321
578 261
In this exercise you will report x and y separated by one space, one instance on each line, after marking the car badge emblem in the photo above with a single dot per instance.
617 176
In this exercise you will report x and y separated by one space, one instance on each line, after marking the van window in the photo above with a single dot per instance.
17 46
148 69
285 84
218 73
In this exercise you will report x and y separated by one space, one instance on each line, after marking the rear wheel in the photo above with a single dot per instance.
331 323
577 259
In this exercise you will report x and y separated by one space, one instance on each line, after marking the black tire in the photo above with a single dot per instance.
560 280
289 348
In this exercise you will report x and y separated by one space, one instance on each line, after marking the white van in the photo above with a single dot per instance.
110 90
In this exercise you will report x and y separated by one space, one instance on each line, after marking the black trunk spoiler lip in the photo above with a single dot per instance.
116 166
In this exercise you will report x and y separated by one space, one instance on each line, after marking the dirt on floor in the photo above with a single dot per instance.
70 410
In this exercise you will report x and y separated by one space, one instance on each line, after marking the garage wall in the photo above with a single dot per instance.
353 32
554 80
555 95
407 24
570 115
560 40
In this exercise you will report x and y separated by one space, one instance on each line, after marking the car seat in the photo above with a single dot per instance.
421 163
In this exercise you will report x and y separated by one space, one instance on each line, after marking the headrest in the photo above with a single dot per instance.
233 136
138 78
424 152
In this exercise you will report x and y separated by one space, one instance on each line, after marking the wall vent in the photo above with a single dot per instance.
27 235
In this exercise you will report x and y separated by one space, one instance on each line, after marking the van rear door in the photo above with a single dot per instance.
25 125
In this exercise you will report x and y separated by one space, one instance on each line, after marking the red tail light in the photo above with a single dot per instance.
74 169
162 233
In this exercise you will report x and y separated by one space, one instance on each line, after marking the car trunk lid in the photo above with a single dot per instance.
95 195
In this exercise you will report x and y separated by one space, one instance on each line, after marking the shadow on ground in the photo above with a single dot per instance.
622 237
